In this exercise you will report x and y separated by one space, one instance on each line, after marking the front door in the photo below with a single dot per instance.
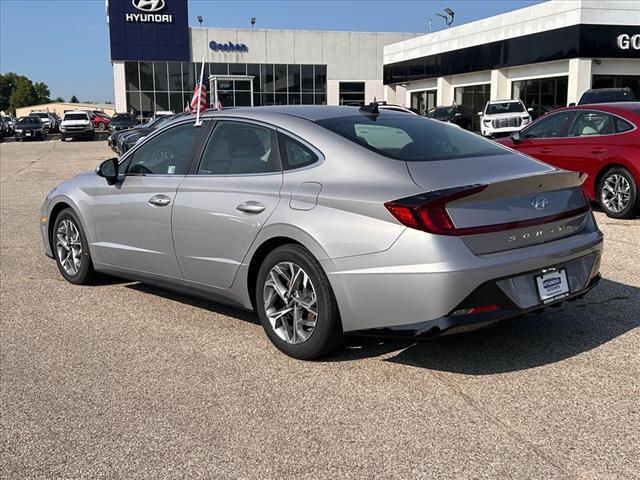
133 216
539 140
219 211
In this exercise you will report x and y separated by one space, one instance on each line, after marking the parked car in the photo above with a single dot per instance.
9 124
47 119
503 117
30 127
122 121
268 209
607 95
129 138
600 140
456 114
3 128
100 120
76 124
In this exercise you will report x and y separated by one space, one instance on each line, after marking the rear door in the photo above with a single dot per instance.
220 209
541 138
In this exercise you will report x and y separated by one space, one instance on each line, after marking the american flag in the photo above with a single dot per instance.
199 99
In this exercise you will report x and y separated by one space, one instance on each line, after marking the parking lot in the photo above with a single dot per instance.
121 380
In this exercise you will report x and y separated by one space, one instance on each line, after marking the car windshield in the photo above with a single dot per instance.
121 117
40 114
76 116
411 138
29 120
506 107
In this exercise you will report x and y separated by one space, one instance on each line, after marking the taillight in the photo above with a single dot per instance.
428 212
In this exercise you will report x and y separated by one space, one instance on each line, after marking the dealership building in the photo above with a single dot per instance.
157 57
548 55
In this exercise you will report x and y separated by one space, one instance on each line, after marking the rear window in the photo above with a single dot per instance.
411 138
123 117
76 116
606 97
30 120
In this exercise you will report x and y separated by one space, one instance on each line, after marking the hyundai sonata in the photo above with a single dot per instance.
330 220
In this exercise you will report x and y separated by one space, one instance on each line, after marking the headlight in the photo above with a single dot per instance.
487 121
18 130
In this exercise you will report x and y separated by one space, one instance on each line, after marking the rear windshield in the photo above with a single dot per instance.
411 138
76 116
510 107
441 112
606 97
40 114
123 117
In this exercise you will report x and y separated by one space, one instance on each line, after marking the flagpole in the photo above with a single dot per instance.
198 122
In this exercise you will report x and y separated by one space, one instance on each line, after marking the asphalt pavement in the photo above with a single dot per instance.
121 380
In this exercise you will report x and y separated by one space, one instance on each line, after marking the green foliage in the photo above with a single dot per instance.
19 91
74 99
58 100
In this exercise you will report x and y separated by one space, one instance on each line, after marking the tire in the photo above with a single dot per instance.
84 273
616 187
326 335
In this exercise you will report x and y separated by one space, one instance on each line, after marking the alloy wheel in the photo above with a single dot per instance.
290 302
69 247
616 193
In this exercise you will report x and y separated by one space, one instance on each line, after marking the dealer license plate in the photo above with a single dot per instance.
28 134
552 285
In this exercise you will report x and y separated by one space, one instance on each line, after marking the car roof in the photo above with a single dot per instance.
610 106
308 112
77 111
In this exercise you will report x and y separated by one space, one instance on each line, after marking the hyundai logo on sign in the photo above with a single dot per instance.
539 203
150 7
228 47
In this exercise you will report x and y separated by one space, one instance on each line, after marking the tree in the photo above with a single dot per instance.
74 99
58 100
42 91
23 95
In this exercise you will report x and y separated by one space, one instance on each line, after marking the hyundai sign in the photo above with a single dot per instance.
148 30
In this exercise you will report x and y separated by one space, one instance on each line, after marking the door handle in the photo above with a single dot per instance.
160 200
599 150
545 150
251 207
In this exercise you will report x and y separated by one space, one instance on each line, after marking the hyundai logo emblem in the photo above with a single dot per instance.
148 5
539 203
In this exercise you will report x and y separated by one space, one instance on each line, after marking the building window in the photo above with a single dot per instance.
473 98
618 81
541 94
424 101
351 93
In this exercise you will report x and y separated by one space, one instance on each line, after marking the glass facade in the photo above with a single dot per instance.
351 93
542 94
156 86
423 101
473 98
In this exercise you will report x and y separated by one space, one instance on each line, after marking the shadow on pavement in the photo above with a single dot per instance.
610 310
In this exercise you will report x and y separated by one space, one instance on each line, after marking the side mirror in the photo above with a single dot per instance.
572 104
479 114
109 170
516 137
457 114
529 109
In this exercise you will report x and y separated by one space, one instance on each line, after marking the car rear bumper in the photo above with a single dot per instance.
422 279
77 134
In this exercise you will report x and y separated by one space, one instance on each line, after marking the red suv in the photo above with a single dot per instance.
100 120
601 140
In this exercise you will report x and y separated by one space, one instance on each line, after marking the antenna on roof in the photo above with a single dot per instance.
371 109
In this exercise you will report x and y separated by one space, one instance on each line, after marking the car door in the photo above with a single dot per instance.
541 137
132 217
220 209
590 142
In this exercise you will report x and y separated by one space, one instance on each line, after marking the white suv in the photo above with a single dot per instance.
76 124
503 117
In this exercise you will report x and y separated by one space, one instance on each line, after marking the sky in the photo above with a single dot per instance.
65 43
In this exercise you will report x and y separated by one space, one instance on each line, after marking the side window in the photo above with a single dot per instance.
548 127
295 154
237 148
622 125
169 153
589 123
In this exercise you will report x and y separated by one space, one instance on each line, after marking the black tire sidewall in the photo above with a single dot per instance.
85 273
633 202
327 324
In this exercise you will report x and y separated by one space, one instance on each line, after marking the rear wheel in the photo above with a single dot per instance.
296 304
71 249
618 193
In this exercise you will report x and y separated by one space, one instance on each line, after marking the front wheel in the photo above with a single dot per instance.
618 193
296 304
71 249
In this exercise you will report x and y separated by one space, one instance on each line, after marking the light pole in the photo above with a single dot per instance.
448 18
200 19
253 21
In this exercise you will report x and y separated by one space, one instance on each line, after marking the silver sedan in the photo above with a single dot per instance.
331 220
